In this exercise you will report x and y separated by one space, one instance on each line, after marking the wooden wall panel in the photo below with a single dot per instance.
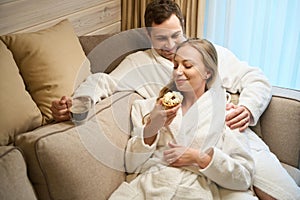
114 28
31 15
97 17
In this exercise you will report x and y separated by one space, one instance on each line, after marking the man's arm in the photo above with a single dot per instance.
97 86
250 82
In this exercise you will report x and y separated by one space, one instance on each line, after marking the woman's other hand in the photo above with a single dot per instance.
178 156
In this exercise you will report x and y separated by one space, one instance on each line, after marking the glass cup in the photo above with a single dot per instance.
228 97
80 109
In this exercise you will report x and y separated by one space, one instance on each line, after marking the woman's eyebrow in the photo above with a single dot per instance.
187 61
184 61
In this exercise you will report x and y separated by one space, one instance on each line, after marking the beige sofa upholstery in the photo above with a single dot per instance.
47 160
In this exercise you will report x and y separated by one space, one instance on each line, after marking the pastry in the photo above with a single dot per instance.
171 99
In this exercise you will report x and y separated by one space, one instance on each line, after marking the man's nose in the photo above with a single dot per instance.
170 43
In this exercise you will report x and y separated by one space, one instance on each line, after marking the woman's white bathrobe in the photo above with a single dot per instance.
146 72
202 127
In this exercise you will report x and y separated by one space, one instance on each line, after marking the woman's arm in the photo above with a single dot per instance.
145 136
157 119
232 165
137 151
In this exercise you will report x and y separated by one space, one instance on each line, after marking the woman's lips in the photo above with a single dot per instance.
180 81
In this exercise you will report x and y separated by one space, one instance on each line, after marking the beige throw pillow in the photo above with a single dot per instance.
18 111
49 61
13 175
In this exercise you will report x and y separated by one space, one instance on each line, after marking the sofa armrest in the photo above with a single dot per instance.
87 161
280 127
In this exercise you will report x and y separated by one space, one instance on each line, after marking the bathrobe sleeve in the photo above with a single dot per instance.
232 165
101 85
97 86
137 152
250 82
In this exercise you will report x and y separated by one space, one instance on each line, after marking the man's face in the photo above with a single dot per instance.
166 36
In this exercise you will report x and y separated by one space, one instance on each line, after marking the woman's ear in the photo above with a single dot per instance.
208 75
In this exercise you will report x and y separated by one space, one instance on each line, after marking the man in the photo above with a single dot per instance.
147 71
164 40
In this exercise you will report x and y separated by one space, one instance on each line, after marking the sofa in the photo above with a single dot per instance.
43 159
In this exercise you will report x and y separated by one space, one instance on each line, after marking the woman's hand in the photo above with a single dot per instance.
158 118
161 116
239 118
60 109
178 156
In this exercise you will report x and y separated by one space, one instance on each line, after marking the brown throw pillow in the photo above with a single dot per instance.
19 113
49 61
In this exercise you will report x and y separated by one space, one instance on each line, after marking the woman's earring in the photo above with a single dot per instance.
206 76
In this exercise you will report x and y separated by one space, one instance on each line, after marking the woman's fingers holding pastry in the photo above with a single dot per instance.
173 111
171 114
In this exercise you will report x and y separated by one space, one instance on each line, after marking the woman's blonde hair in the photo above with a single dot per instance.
209 58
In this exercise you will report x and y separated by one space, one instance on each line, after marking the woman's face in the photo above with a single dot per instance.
189 71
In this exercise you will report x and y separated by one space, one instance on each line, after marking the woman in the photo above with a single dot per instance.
187 152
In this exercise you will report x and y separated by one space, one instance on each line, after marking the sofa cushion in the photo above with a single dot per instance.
19 113
49 61
280 127
86 160
13 175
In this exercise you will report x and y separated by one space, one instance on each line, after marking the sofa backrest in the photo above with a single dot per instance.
102 52
280 125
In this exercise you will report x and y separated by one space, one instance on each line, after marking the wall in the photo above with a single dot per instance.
88 17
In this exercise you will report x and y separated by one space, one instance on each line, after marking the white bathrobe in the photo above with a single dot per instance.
146 72
202 127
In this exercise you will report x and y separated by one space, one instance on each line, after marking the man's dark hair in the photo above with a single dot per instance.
158 11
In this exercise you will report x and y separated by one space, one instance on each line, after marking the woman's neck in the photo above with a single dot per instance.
189 99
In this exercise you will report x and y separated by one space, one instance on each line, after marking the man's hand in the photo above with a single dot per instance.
60 109
239 117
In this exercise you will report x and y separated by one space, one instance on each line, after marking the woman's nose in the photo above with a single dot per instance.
179 70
